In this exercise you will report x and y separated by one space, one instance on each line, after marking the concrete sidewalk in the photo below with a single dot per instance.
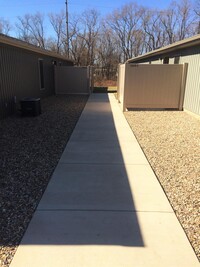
104 206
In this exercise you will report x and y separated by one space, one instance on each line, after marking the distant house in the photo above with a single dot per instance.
25 71
185 51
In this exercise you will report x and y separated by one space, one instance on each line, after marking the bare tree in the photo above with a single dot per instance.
23 29
154 32
197 8
107 54
76 42
178 20
5 26
125 23
58 23
90 29
197 15
185 20
31 29
169 19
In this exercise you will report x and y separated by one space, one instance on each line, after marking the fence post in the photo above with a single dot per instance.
118 82
91 79
88 78
126 86
183 85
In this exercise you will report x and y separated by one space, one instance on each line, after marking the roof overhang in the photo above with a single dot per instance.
24 45
189 42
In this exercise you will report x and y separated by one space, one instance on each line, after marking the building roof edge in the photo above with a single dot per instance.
24 45
189 42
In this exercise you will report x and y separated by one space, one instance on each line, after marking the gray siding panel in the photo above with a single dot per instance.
192 91
18 77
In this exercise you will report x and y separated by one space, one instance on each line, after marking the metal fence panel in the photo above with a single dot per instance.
153 86
72 80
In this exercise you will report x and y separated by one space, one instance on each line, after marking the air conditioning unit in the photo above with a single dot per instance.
30 106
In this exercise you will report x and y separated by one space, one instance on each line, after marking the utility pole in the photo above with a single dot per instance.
67 29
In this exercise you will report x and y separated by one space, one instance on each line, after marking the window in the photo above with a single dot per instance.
41 73
176 60
166 60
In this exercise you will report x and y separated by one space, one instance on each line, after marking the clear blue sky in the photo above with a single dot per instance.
10 10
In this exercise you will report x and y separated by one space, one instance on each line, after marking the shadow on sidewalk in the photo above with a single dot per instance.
88 200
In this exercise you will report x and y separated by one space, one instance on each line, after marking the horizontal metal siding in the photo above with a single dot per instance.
192 91
19 77
6 83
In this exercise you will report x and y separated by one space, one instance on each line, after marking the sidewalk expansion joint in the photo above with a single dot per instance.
97 163
103 210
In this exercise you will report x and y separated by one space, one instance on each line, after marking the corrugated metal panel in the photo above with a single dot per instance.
192 91
19 77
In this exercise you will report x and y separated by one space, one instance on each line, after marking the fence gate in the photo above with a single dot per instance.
73 80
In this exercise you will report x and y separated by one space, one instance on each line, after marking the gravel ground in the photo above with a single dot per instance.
30 150
171 142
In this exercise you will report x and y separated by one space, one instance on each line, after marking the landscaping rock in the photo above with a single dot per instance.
171 142
30 150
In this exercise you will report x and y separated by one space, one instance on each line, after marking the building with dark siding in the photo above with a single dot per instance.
25 71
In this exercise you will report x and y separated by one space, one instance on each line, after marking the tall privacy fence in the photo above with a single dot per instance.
149 86
73 80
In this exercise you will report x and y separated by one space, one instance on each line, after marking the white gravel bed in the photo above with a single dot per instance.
171 142
30 150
